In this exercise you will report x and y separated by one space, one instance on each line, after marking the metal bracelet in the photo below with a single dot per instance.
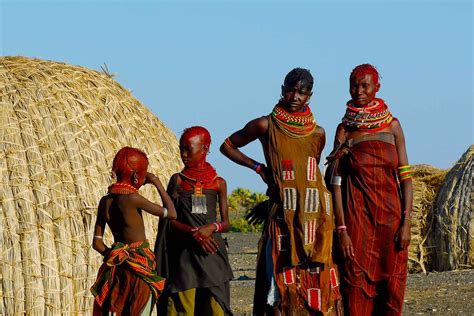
336 180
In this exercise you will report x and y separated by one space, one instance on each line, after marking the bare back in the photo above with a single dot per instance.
123 217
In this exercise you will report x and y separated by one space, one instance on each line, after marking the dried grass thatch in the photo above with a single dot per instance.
452 235
426 183
60 127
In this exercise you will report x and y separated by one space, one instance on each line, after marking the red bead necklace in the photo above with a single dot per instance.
122 188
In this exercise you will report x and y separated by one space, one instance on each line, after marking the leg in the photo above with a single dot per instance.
390 296
181 303
206 304
356 302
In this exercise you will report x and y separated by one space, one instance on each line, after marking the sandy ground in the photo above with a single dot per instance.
446 293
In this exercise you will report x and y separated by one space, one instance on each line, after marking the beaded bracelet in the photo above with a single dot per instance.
404 173
229 143
218 226
257 167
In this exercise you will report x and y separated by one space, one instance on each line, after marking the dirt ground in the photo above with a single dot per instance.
445 293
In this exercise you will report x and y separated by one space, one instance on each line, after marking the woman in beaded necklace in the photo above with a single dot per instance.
192 254
370 179
127 281
295 271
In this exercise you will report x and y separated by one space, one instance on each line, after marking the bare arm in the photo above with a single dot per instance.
321 133
98 242
152 208
255 129
403 237
345 243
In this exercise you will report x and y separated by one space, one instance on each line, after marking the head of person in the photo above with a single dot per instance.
130 166
364 84
194 145
297 89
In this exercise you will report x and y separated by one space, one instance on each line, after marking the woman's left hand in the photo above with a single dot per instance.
403 236
203 232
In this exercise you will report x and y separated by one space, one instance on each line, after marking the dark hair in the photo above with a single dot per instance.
299 75
366 69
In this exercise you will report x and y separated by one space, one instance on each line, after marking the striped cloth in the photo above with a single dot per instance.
137 258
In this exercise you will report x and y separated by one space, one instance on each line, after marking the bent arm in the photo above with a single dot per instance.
254 129
152 208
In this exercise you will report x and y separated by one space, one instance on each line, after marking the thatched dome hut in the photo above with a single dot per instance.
451 238
60 128
426 183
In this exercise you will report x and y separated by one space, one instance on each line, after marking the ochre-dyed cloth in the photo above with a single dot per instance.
126 280
374 282
197 301
300 228
181 259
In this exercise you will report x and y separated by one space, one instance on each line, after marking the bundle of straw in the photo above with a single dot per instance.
426 183
60 128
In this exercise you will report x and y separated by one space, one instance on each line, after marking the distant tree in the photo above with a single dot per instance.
241 201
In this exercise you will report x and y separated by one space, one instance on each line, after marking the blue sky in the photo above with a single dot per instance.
221 63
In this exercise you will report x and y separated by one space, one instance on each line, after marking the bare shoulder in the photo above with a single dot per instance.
102 203
320 131
221 183
133 200
258 125
396 127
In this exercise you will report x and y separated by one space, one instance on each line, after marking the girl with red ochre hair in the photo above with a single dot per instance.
371 184
191 252
127 283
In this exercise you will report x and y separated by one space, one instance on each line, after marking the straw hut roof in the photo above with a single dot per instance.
451 238
60 127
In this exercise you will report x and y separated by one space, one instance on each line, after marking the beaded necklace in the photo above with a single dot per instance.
372 118
198 177
122 188
298 124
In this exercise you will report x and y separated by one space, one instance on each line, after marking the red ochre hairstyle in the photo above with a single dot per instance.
129 160
366 69
195 131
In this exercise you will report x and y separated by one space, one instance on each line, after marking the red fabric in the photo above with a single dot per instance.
372 212
128 296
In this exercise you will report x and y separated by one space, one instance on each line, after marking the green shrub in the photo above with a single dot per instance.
241 225
240 202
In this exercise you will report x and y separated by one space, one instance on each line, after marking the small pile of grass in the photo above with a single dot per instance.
426 183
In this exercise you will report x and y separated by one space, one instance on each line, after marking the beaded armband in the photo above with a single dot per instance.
404 173
229 143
